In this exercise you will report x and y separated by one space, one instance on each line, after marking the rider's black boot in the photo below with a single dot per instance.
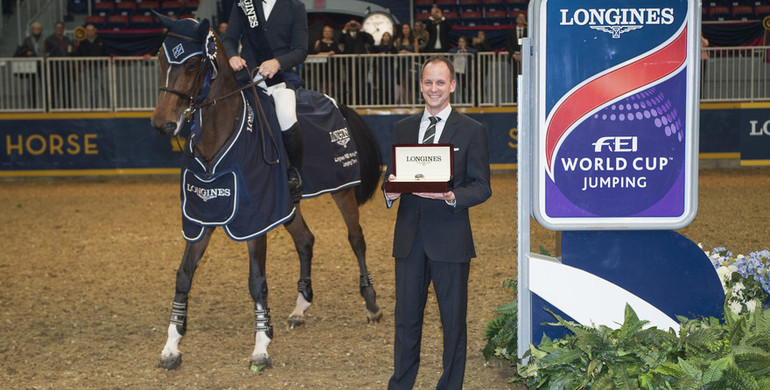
292 141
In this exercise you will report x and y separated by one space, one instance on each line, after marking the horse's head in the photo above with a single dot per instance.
188 63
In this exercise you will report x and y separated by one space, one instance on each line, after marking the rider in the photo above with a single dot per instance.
274 37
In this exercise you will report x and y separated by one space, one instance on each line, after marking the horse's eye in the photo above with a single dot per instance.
192 65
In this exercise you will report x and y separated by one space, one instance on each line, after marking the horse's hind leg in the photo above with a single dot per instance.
346 202
263 330
303 242
171 358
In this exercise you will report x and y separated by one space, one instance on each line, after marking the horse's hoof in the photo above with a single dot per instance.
261 364
171 362
295 321
373 317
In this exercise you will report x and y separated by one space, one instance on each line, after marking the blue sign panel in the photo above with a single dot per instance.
616 114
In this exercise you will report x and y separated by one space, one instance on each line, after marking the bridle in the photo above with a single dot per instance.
196 101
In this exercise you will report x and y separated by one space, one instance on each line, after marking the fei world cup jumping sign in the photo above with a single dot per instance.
615 114
608 152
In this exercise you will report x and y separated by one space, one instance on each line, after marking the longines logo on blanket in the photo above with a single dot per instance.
616 21
208 193
340 136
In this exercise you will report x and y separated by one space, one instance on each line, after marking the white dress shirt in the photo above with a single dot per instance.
267 7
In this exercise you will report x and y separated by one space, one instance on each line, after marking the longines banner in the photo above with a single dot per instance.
615 119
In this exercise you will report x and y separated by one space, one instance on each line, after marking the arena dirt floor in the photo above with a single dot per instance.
87 269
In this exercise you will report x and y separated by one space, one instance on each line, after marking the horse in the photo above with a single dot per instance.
198 85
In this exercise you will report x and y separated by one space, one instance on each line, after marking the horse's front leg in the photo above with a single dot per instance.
263 331
303 242
346 202
171 358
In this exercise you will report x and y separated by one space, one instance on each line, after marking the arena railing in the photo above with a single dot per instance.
116 84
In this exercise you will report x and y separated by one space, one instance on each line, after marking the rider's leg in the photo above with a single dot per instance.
286 110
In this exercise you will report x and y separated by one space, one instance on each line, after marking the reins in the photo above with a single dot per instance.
194 106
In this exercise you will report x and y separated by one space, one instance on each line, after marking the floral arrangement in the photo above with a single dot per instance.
745 279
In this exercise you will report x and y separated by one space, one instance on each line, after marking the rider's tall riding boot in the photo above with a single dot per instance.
292 141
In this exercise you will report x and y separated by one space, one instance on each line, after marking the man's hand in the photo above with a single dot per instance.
237 63
392 195
269 68
445 196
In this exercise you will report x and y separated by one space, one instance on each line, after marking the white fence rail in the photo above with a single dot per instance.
89 84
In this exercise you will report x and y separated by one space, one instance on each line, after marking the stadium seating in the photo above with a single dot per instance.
146 7
141 22
127 8
117 22
719 12
173 8
761 11
99 21
103 8
743 12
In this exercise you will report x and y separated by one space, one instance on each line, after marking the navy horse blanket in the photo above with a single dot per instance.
246 190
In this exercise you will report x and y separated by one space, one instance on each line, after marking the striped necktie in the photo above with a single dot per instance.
430 132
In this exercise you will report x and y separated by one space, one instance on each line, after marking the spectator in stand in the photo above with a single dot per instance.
355 41
384 69
438 28
221 30
326 45
704 57
480 43
92 46
33 45
513 39
59 45
92 72
422 35
406 43
462 61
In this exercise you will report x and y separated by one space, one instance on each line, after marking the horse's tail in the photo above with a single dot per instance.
368 154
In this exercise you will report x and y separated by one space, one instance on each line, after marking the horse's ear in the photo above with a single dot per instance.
203 28
163 19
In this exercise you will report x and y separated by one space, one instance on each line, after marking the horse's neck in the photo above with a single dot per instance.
218 121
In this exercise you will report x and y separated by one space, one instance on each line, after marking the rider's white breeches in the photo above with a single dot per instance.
285 105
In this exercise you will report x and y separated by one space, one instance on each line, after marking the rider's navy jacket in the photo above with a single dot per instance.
282 36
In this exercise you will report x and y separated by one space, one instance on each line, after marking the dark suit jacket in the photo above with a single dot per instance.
443 35
286 32
446 230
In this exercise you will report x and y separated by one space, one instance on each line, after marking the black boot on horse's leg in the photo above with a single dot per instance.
292 141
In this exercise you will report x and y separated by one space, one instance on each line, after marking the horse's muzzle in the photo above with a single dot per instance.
167 129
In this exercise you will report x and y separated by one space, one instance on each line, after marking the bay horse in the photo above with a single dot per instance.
198 84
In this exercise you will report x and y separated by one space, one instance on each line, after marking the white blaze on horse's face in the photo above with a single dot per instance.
172 108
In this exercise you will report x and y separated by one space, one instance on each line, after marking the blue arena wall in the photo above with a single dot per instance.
125 143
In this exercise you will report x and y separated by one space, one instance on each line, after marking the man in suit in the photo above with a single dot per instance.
513 37
438 28
273 35
433 239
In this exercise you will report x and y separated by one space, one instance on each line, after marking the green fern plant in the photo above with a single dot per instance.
500 332
705 354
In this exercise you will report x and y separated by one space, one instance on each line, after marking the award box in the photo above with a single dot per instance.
422 168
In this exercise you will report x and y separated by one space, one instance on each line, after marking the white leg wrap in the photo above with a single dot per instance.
172 343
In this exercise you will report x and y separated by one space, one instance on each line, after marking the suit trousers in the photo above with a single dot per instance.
450 282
